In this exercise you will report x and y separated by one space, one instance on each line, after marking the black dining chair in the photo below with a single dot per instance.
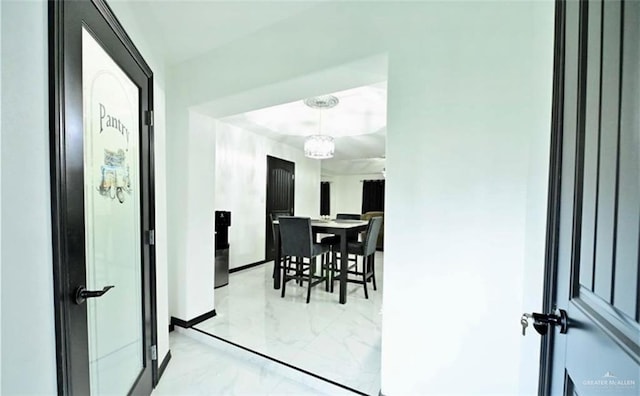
296 240
334 240
365 248
285 261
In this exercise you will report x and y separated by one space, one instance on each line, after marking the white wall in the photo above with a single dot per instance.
463 179
536 198
162 283
240 186
0 200
190 194
346 192
467 150
200 253
28 336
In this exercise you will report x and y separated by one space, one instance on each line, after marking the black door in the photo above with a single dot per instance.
280 196
102 203
592 270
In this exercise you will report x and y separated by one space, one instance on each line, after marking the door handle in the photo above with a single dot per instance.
82 293
541 322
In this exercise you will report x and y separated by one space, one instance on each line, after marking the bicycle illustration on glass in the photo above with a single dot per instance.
115 180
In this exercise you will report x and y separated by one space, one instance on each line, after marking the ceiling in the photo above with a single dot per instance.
182 30
357 123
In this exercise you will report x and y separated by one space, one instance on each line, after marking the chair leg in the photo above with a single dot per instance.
334 258
372 268
326 270
365 261
334 263
312 267
275 268
286 262
284 280
299 270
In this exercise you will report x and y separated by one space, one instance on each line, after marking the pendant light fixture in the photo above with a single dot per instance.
320 146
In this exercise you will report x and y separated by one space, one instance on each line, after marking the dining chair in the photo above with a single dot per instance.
285 261
297 241
334 240
367 216
365 248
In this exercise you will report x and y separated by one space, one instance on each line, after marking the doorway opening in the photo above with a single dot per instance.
338 342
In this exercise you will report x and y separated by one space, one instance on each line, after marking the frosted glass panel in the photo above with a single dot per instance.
112 218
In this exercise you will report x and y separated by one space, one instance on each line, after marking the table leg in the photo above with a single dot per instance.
276 261
344 267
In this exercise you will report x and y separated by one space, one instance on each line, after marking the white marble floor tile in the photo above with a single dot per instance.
198 368
335 341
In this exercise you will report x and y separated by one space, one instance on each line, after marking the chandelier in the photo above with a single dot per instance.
320 146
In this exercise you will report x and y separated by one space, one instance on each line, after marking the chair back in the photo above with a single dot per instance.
295 236
372 235
351 236
369 215
348 216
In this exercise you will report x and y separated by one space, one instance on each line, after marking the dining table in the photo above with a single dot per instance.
339 227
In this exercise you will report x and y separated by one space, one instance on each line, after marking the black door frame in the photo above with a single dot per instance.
64 19
553 197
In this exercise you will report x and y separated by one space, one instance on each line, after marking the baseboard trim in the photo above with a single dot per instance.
244 267
172 327
281 362
187 324
163 365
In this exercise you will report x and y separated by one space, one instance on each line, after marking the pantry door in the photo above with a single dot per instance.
102 192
